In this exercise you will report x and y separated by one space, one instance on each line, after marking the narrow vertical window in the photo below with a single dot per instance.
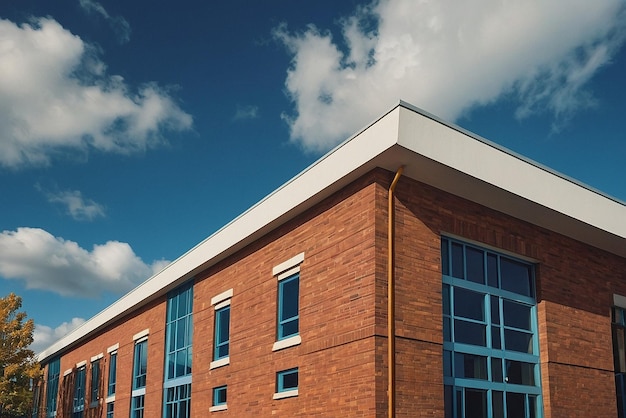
619 358
112 373
178 352
78 404
221 334
286 383
288 303
222 331
95 381
52 389
140 370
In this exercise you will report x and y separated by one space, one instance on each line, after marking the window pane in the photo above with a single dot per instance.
518 341
496 370
469 366
447 400
457 261
497 402
289 302
492 270
475 265
446 329
532 407
496 338
515 405
469 333
469 304
446 299
290 380
516 277
475 403
290 328
520 373
444 257
224 325
516 315
495 310
447 363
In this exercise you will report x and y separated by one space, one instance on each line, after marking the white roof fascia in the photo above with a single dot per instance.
313 182
507 171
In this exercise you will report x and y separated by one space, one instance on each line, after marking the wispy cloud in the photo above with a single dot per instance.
55 97
246 112
78 207
43 261
447 57
118 24
44 336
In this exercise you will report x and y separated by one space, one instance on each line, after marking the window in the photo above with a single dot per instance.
179 332
112 373
222 330
54 372
110 409
288 295
95 381
140 369
491 352
221 336
619 358
178 401
286 383
219 399
78 404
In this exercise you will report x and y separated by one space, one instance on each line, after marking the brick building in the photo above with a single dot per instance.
503 282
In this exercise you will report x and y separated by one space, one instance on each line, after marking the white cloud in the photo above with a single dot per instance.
77 206
118 24
51 263
55 96
44 336
246 112
447 57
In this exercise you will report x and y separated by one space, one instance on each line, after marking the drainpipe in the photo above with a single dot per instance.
391 318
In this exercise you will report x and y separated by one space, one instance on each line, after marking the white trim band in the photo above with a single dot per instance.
286 265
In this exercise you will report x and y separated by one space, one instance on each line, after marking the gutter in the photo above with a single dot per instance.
391 317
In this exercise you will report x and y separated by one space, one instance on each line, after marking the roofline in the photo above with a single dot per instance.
393 139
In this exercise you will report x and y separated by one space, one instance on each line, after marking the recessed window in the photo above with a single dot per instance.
288 304
95 381
286 383
222 333
112 373
79 393
219 399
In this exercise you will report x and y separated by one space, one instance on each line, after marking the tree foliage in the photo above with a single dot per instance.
18 366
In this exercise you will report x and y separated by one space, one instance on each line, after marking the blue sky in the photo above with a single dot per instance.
131 131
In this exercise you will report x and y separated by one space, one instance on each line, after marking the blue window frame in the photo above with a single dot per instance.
490 351
78 404
136 406
140 364
618 319
54 371
219 395
95 382
179 332
288 306
222 333
110 409
178 402
112 373
287 380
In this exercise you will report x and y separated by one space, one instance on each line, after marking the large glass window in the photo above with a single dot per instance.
288 302
222 333
179 332
78 405
52 389
491 352
619 358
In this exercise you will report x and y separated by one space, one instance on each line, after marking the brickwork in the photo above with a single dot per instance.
342 358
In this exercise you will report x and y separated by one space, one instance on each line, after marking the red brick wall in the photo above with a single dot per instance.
575 284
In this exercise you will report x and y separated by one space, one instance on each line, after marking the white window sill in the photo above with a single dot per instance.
286 343
219 363
217 408
286 394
